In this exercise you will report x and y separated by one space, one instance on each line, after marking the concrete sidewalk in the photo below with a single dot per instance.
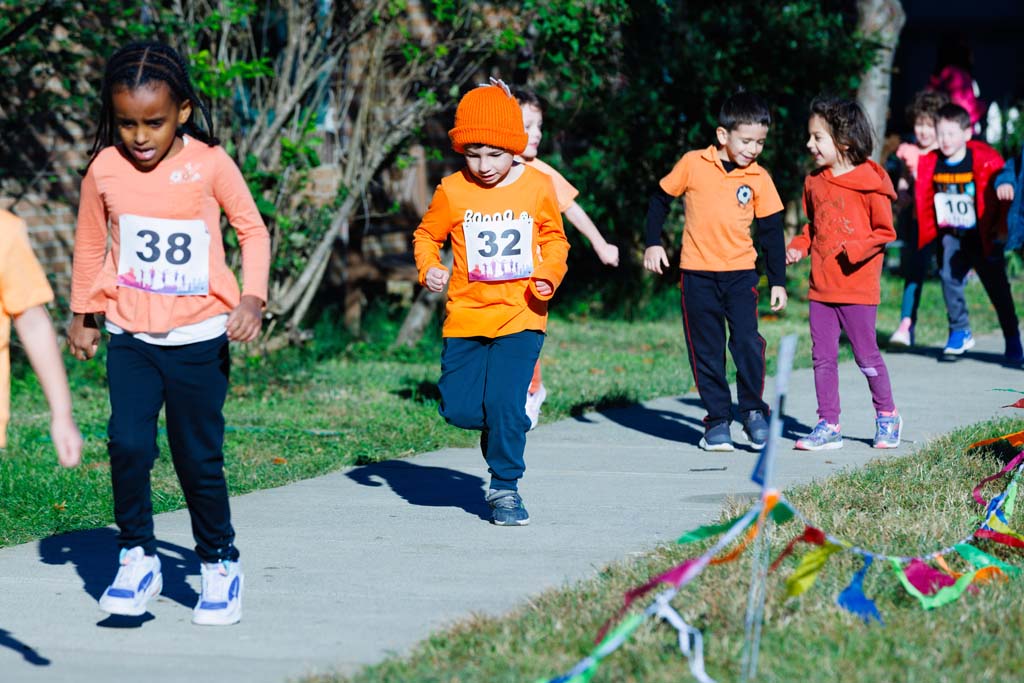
343 569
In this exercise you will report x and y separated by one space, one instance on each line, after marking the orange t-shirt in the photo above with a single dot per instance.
23 285
188 189
564 190
720 207
480 307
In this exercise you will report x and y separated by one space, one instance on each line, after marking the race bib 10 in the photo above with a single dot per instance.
498 246
164 256
955 211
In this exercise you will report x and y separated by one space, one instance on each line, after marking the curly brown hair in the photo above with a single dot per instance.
925 104
848 125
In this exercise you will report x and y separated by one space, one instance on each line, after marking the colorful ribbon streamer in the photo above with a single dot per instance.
811 564
852 597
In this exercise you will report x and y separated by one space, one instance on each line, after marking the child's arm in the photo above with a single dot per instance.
607 253
773 246
233 194
882 231
655 258
90 251
40 341
1005 180
800 245
428 239
554 249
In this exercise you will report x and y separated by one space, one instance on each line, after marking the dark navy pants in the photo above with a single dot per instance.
710 300
192 382
483 386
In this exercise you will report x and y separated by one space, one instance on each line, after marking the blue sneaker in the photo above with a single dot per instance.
718 438
887 431
220 602
822 438
756 428
1014 354
138 579
507 508
958 342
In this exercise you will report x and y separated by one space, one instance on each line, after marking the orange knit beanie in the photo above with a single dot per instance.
489 115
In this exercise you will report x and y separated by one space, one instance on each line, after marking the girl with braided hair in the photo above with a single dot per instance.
156 184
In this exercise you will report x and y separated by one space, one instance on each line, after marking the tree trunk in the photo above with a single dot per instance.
881 20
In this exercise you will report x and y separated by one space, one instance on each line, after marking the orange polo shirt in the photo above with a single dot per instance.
719 208
23 286
481 308
193 185
564 190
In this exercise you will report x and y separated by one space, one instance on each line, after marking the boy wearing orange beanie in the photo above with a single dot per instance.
510 255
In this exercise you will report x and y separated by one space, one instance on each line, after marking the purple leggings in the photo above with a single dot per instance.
858 321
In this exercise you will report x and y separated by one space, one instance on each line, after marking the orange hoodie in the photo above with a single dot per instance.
478 307
849 223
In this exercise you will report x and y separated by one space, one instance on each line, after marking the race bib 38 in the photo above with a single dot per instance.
164 256
498 246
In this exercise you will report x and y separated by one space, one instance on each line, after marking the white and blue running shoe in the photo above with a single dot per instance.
220 603
138 579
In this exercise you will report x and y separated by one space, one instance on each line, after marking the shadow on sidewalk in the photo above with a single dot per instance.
993 357
663 424
26 651
426 486
94 554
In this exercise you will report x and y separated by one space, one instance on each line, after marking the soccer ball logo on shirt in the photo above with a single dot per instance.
744 194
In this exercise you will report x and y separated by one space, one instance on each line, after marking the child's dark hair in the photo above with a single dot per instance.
955 113
925 105
526 97
744 108
848 125
136 65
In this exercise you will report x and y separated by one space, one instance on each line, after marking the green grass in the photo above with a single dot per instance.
340 402
906 506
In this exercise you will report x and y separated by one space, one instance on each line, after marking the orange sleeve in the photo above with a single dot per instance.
882 230
802 240
234 197
23 283
431 234
565 193
90 245
678 179
766 199
554 247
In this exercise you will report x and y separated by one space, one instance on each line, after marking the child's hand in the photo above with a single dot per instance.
66 440
792 256
655 259
544 288
1005 192
436 279
245 322
608 253
83 336
779 298
902 185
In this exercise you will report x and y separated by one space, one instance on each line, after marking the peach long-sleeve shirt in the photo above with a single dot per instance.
23 286
497 308
194 184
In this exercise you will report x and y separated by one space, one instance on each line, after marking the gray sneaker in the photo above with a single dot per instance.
507 508
821 438
756 428
718 438
887 431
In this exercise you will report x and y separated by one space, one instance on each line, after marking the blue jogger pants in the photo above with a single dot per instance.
483 386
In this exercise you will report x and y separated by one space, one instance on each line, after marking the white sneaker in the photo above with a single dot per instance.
138 579
533 403
220 603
